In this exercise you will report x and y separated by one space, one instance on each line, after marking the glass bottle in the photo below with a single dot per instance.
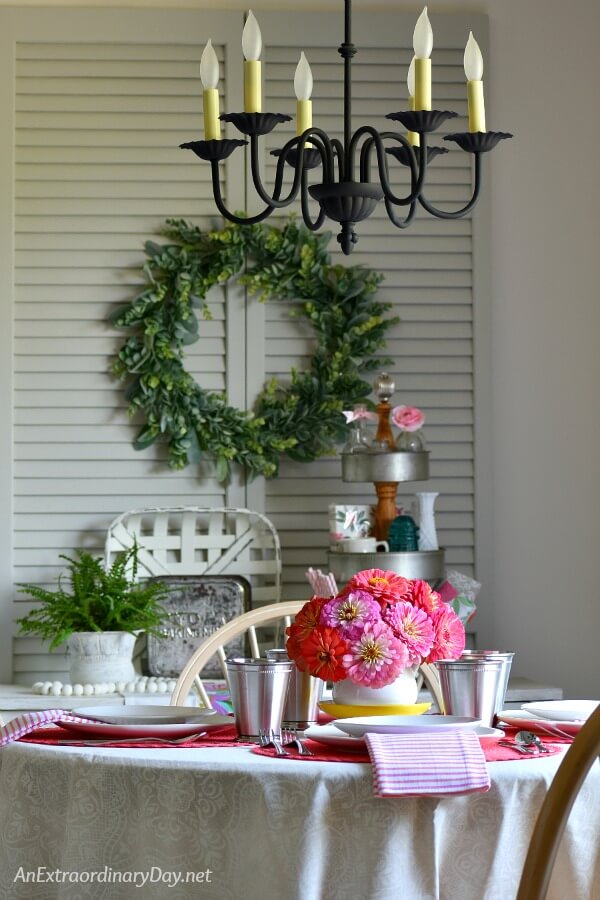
411 441
358 439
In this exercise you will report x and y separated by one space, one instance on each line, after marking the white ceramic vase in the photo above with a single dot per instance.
101 656
428 539
401 692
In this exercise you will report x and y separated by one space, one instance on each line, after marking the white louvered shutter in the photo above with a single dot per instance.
428 279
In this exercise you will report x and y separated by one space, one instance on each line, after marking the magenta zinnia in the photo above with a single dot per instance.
413 627
377 657
383 585
449 640
350 613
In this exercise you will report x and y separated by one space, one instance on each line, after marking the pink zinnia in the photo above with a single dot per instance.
384 586
449 640
424 597
350 612
377 657
413 627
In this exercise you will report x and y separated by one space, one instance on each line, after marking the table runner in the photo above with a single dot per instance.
492 751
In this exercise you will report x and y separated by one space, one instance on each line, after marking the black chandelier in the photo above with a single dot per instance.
342 196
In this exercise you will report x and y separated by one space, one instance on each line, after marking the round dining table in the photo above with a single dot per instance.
113 823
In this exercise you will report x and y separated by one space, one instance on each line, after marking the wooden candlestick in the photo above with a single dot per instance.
385 511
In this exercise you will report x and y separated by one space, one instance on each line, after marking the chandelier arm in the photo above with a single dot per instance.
318 140
459 213
376 139
312 225
238 220
274 201
400 223
337 149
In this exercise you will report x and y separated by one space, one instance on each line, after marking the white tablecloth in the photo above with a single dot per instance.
252 828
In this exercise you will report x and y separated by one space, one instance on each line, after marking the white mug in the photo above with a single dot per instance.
363 545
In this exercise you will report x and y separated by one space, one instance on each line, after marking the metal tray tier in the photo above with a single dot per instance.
428 565
399 465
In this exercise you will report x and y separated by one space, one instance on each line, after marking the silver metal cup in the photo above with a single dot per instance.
258 692
471 687
506 658
302 705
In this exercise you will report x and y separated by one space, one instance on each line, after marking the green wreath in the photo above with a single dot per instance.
303 419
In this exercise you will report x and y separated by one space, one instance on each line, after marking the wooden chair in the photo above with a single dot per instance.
195 540
216 643
553 815
248 623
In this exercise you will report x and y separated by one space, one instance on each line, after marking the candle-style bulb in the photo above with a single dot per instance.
251 38
303 79
473 60
423 36
209 67
410 79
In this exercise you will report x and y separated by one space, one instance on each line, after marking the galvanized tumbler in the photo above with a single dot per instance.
302 705
258 692
473 686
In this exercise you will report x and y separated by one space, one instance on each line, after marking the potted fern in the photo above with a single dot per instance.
98 612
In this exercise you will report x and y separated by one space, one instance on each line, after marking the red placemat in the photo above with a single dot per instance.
492 750
224 736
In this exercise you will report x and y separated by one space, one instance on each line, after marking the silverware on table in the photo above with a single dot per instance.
529 739
512 745
270 739
290 736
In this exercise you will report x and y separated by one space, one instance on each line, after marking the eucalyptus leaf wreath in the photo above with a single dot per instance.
303 419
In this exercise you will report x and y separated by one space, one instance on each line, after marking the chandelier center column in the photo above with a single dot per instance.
347 51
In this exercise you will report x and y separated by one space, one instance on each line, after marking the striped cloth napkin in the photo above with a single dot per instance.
417 765
28 722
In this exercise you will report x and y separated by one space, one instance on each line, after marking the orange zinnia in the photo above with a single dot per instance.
323 651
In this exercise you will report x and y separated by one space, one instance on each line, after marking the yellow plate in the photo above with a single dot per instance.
343 711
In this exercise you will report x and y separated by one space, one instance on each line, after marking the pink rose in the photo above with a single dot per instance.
407 418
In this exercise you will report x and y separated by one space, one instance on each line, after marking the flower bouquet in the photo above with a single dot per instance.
380 625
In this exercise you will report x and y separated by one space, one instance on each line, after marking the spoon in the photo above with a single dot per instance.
529 739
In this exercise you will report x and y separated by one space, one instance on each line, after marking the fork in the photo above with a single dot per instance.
290 736
270 739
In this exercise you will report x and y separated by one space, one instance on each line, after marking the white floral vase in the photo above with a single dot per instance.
428 539
101 656
401 692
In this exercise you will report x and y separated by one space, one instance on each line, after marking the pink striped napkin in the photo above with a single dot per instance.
416 765
22 725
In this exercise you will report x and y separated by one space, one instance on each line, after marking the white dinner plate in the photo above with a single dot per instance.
333 737
358 726
562 710
147 714
109 730
521 718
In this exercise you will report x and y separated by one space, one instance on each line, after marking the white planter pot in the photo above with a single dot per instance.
101 656
401 692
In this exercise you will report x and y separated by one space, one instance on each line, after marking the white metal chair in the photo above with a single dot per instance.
248 623
195 540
